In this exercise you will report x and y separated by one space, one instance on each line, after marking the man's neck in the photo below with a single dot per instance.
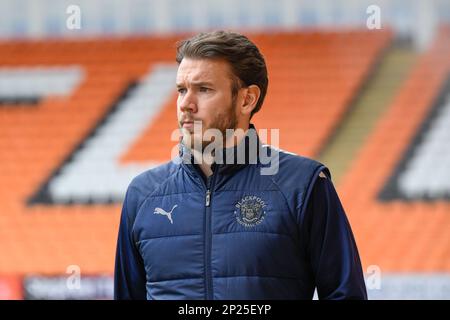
206 169
205 161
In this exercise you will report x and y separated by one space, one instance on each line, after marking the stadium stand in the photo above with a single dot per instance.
45 134
403 231
78 119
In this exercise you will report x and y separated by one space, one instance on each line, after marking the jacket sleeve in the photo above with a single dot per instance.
331 247
129 273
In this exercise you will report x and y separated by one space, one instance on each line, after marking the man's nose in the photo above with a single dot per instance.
188 104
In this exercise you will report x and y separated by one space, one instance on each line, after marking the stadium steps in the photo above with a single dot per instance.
367 109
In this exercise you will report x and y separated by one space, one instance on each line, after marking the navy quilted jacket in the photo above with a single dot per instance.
236 235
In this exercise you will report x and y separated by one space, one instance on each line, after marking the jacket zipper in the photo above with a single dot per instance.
208 239
208 197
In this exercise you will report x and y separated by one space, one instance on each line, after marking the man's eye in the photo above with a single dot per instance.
182 90
204 89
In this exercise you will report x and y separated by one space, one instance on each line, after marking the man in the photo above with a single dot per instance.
203 228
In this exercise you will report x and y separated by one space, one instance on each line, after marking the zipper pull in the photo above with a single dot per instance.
208 197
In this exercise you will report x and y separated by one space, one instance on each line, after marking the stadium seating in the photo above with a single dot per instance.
409 232
314 77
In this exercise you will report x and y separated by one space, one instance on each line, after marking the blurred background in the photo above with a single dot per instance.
87 101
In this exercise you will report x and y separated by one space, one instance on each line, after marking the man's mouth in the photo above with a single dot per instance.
188 124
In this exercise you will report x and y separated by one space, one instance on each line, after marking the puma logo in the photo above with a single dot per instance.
165 213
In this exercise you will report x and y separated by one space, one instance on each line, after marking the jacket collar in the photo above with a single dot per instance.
228 160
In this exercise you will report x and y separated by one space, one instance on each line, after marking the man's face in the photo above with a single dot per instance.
204 96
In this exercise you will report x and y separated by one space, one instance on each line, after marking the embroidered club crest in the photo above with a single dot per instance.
249 211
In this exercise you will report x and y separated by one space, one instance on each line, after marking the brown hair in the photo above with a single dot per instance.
247 63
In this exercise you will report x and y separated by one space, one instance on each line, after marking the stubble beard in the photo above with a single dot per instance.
195 139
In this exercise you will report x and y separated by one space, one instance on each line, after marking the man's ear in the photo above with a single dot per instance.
250 99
